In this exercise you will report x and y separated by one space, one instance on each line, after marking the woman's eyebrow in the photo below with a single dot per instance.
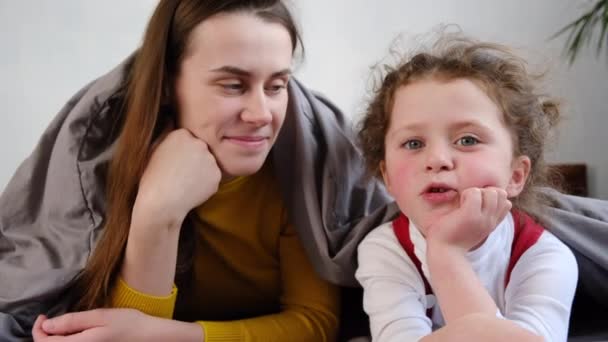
232 70
244 73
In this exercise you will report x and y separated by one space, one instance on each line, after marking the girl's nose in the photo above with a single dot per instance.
438 159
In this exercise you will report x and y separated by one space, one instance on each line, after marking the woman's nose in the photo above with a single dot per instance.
256 110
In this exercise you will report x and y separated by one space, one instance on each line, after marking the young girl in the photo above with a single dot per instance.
458 136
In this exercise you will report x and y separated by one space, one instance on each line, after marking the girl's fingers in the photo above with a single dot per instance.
471 200
489 201
504 205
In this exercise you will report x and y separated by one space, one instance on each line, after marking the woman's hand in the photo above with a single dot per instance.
480 211
113 325
181 174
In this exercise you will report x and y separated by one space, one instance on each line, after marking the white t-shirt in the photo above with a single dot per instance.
538 297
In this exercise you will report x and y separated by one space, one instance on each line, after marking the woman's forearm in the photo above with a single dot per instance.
299 325
171 330
151 255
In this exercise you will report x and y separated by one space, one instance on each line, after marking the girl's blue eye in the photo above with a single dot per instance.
468 141
413 144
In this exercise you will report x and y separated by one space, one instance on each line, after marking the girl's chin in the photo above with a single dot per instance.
424 222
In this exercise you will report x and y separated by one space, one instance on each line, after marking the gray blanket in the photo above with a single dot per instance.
52 210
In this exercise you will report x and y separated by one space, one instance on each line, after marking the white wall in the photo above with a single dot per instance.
50 48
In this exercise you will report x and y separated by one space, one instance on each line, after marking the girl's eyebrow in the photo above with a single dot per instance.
244 73
409 127
469 124
459 125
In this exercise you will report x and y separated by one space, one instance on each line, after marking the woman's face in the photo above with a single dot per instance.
231 88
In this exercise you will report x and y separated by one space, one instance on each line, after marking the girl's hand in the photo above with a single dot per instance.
181 174
113 325
458 290
480 211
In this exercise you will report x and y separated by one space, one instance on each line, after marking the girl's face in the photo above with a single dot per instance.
231 88
445 137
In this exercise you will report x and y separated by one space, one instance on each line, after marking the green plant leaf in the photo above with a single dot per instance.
581 30
604 32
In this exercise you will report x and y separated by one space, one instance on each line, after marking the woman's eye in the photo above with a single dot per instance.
467 141
232 86
275 89
413 144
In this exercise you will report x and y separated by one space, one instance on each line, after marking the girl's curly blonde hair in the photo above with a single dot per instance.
528 114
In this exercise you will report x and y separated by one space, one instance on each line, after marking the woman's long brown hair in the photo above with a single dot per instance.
148 106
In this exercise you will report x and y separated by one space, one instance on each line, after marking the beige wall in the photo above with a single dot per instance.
50 48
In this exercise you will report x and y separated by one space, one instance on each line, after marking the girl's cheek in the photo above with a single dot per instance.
405 165
403 174
479 179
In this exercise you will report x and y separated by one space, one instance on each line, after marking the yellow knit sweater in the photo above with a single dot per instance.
251 278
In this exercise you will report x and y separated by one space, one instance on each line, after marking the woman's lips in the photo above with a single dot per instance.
249 142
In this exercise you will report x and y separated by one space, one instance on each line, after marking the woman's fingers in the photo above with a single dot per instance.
37 333
167 129
74 322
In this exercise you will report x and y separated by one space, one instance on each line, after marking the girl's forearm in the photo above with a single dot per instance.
482 327
458 290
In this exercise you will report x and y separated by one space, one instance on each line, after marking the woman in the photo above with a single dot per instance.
199 203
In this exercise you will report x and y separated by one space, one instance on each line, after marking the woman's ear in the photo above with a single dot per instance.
520 170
